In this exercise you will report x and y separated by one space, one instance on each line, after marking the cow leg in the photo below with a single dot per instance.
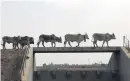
107 43
69 43
43 43
103 43
65 43
54 44
38 43
51 44
14 46
94 43
21 45
4 45
28 44
78 44
17 45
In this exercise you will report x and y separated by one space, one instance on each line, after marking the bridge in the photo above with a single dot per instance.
118 68
74 49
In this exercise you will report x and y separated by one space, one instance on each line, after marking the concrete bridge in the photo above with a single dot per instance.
118 68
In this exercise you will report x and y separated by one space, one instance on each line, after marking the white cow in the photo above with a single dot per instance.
102 37
75 38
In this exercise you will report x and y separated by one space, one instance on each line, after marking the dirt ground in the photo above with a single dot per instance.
11 61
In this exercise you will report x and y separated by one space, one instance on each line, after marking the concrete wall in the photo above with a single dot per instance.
119 61
124 65
113 62
27 73
91 75
76 76
11 64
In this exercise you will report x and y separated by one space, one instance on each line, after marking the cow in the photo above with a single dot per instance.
102 37
49 38
75 38
25 40
16 42
13 40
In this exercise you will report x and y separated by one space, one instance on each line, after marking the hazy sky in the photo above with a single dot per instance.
33 18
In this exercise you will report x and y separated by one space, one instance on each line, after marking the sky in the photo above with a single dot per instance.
59 17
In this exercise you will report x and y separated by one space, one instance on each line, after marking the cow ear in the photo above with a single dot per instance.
113 34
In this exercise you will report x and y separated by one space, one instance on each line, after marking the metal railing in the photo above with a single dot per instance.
126 43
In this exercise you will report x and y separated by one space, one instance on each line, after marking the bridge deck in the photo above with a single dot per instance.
74 49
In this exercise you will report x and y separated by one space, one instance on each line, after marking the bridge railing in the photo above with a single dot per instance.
126 43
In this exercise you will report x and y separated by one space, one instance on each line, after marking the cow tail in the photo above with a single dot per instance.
2 42
65 37
38 41
65 40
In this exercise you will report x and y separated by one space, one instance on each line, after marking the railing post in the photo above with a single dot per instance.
123 41
128 44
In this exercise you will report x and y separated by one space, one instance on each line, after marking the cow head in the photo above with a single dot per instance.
19 37
86 37
31 40
113 36
60 40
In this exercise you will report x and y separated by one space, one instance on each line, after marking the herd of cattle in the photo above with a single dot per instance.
26 41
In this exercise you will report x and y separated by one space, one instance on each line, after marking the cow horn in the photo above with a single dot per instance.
113 34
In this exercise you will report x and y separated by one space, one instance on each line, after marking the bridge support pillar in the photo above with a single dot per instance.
27 71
